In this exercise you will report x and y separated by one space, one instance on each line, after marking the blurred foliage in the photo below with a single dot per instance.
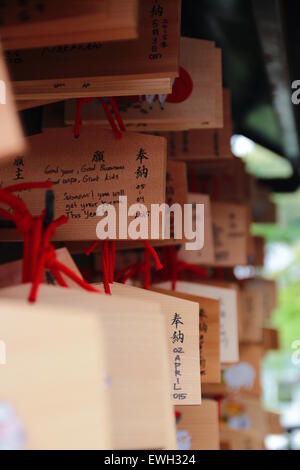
277 233
262 117
287 316
287 231
264 164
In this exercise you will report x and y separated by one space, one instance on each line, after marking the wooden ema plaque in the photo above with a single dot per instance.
246 375
182 336
200 107
11 273
141 66
232 439
271 339
96 169
247 413
251 313
51 388
11 136
224 180
138 403
231 229
209 334
198 426
48 23
198 144
205 256
228 298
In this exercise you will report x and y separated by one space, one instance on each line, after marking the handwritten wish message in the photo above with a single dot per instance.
229 347
182 329
86 172
231 233
209 334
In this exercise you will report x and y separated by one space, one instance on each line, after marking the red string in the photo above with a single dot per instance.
175 268
108 113
200 271
15 203
59 278
38 253
149 247
109 117
148 252
34 243
105 266
147 269
117 114
108 260
47 261
108 263
92 248
25 223
112 260
21 217
169 272
133 270
129 272
78 116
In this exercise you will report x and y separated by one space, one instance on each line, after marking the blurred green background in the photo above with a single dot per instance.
282 261
280 376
